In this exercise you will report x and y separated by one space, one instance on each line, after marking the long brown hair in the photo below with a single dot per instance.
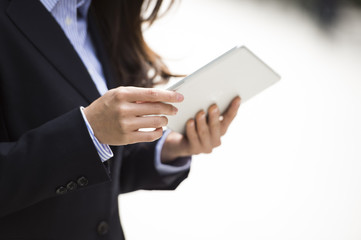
121 22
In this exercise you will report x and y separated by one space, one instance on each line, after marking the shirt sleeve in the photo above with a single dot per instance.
178 165
103 150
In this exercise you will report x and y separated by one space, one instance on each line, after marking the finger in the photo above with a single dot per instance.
135 94
158 108
203 132
149 136
192 136
230 114
214 125
147 122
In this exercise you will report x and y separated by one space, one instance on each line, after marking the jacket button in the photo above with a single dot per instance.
103 228
82 181
61 190
71 186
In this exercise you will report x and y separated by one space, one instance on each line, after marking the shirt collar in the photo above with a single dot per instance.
49 4
82 5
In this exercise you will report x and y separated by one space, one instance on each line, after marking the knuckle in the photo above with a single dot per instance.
214 121
165 121
195 150
212 124
153 93
111 92
218 143
157 108
192 135
154 122
224 130
123 109
123 125
159 121
148 138
206 149
152 137
120 94
202 131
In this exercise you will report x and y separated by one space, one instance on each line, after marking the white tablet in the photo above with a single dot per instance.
237 72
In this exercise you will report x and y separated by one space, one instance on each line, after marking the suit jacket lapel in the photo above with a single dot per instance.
43 31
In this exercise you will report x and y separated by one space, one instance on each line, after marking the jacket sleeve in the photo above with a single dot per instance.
43 161
139 159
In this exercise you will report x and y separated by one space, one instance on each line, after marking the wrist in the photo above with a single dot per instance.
103 150
89 116
173 148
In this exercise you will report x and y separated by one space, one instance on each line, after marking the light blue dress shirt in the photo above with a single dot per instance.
71 15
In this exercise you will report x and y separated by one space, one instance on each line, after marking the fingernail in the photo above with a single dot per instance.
180 97
215 110
175 110
191 123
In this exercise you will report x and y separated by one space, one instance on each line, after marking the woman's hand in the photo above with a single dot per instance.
117 116
202 135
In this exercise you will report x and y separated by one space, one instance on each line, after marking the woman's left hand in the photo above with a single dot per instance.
202 134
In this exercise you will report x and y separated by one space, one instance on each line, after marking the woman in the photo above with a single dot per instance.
63 166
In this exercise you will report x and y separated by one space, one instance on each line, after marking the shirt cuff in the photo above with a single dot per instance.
178 165
103 150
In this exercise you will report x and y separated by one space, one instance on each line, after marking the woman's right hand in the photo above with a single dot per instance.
117 116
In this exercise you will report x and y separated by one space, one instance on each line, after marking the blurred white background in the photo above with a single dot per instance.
290 165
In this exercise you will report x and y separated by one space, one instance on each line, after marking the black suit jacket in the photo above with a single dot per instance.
52 182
